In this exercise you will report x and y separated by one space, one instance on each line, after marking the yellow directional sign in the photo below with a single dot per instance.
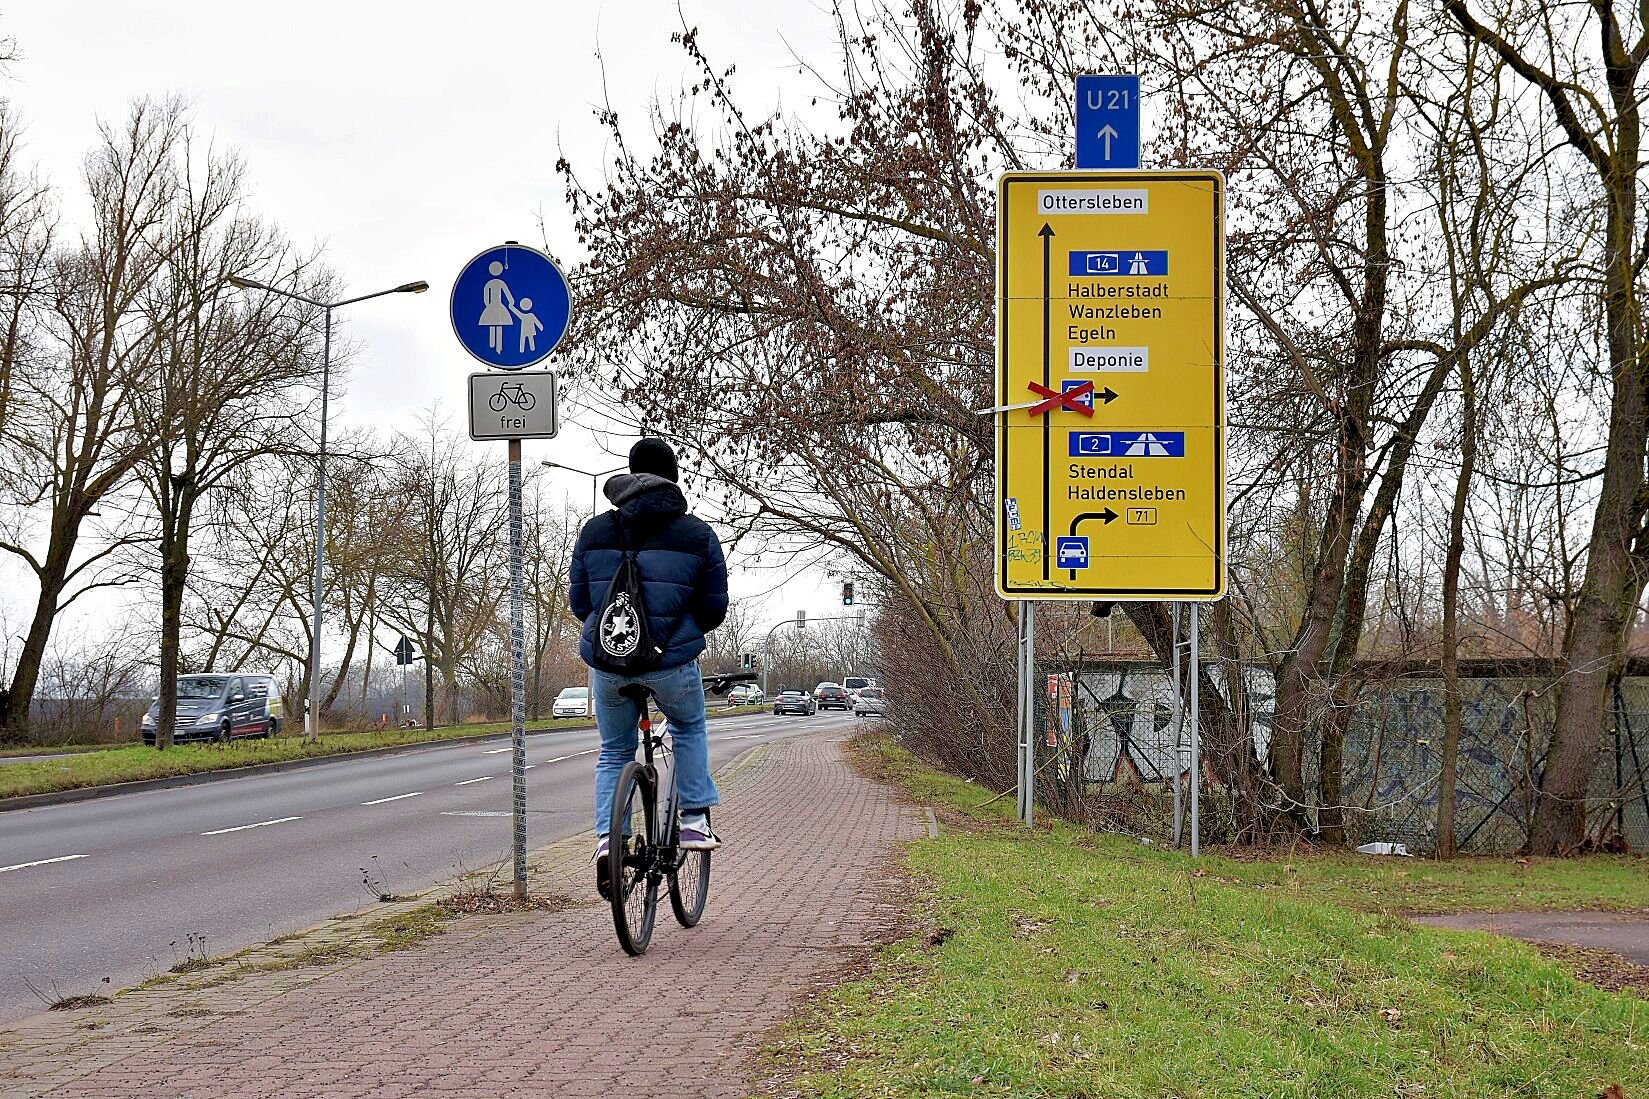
1110 349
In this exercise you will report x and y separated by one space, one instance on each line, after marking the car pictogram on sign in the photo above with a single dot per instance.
1071 552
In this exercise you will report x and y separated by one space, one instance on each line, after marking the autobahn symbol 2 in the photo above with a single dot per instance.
1115 280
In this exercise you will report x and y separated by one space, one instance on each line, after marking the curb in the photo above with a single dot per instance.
139 786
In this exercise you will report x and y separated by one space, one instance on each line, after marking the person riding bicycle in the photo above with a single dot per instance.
683 576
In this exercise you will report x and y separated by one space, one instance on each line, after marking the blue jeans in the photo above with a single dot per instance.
680 694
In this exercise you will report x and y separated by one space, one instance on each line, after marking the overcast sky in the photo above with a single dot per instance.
402 138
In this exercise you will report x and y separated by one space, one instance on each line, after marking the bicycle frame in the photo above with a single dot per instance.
664 822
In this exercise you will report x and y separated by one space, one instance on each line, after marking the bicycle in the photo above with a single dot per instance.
508 394
646 857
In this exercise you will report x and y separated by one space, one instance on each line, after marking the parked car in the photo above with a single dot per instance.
870 700
220 706
795 702
571 702
832 696
745 694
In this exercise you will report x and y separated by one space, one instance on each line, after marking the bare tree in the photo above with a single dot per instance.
71 434
222 395
1588 63
447 589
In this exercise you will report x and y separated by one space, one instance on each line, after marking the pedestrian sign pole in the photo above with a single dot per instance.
510 307
1110 389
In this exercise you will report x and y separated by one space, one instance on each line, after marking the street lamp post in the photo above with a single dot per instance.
594 477
312 710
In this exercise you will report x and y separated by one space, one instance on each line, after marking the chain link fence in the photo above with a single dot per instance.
1110 748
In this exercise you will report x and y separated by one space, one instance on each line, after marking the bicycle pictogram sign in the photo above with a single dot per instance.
511 393
520 405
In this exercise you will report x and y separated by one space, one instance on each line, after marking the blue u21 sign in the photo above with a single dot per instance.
1107 122
510 306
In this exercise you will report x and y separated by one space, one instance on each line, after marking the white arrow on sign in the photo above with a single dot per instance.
1107 134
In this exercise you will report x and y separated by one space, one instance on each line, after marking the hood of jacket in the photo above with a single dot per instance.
645 501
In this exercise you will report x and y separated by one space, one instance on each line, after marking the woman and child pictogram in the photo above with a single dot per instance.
500 306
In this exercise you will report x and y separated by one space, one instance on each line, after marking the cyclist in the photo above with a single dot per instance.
684 585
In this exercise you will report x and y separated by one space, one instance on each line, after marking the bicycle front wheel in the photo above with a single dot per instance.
633 877
689 886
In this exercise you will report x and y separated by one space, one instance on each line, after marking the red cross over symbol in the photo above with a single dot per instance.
1070 399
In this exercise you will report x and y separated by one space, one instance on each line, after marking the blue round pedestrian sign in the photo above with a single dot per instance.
510 306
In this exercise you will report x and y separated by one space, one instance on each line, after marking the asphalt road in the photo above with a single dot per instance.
104 888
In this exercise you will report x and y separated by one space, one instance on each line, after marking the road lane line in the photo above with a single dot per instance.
575 755
467 781
42 862
244 827
397 797
742 736
496 751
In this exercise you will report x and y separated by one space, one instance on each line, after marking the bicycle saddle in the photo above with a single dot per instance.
636 693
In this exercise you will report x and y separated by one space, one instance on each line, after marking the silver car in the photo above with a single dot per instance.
870 701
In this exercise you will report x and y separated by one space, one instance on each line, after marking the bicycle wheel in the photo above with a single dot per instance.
689 886
527 401
633 878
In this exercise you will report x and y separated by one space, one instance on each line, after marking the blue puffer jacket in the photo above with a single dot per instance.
683 572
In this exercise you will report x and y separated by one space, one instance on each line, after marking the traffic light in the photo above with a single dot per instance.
847 593
747 661
801 620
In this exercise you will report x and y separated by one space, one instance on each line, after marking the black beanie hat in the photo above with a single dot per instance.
652 455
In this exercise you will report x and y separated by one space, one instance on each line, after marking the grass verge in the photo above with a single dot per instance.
131 763
1060 963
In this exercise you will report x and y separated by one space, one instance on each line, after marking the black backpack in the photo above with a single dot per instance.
623 637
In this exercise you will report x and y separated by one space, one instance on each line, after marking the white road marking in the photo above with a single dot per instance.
42 862
244 827
497 751
467 781
575 755
742 736
397 797
529 766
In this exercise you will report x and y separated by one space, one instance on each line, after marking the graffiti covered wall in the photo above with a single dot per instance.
1126 712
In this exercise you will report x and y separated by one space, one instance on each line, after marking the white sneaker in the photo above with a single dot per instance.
696 834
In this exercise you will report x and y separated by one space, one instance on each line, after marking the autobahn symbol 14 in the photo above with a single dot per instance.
1110 298
517 405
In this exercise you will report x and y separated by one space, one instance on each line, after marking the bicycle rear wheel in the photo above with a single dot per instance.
690 886
633 877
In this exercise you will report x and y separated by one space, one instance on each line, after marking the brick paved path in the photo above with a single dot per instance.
538 1003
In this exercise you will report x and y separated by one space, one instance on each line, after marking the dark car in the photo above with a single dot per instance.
794 702
832 696
220 707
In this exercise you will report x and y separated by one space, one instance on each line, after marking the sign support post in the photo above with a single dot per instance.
1022 686
1027 709
1196 731
518 677
1179 726
510 308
